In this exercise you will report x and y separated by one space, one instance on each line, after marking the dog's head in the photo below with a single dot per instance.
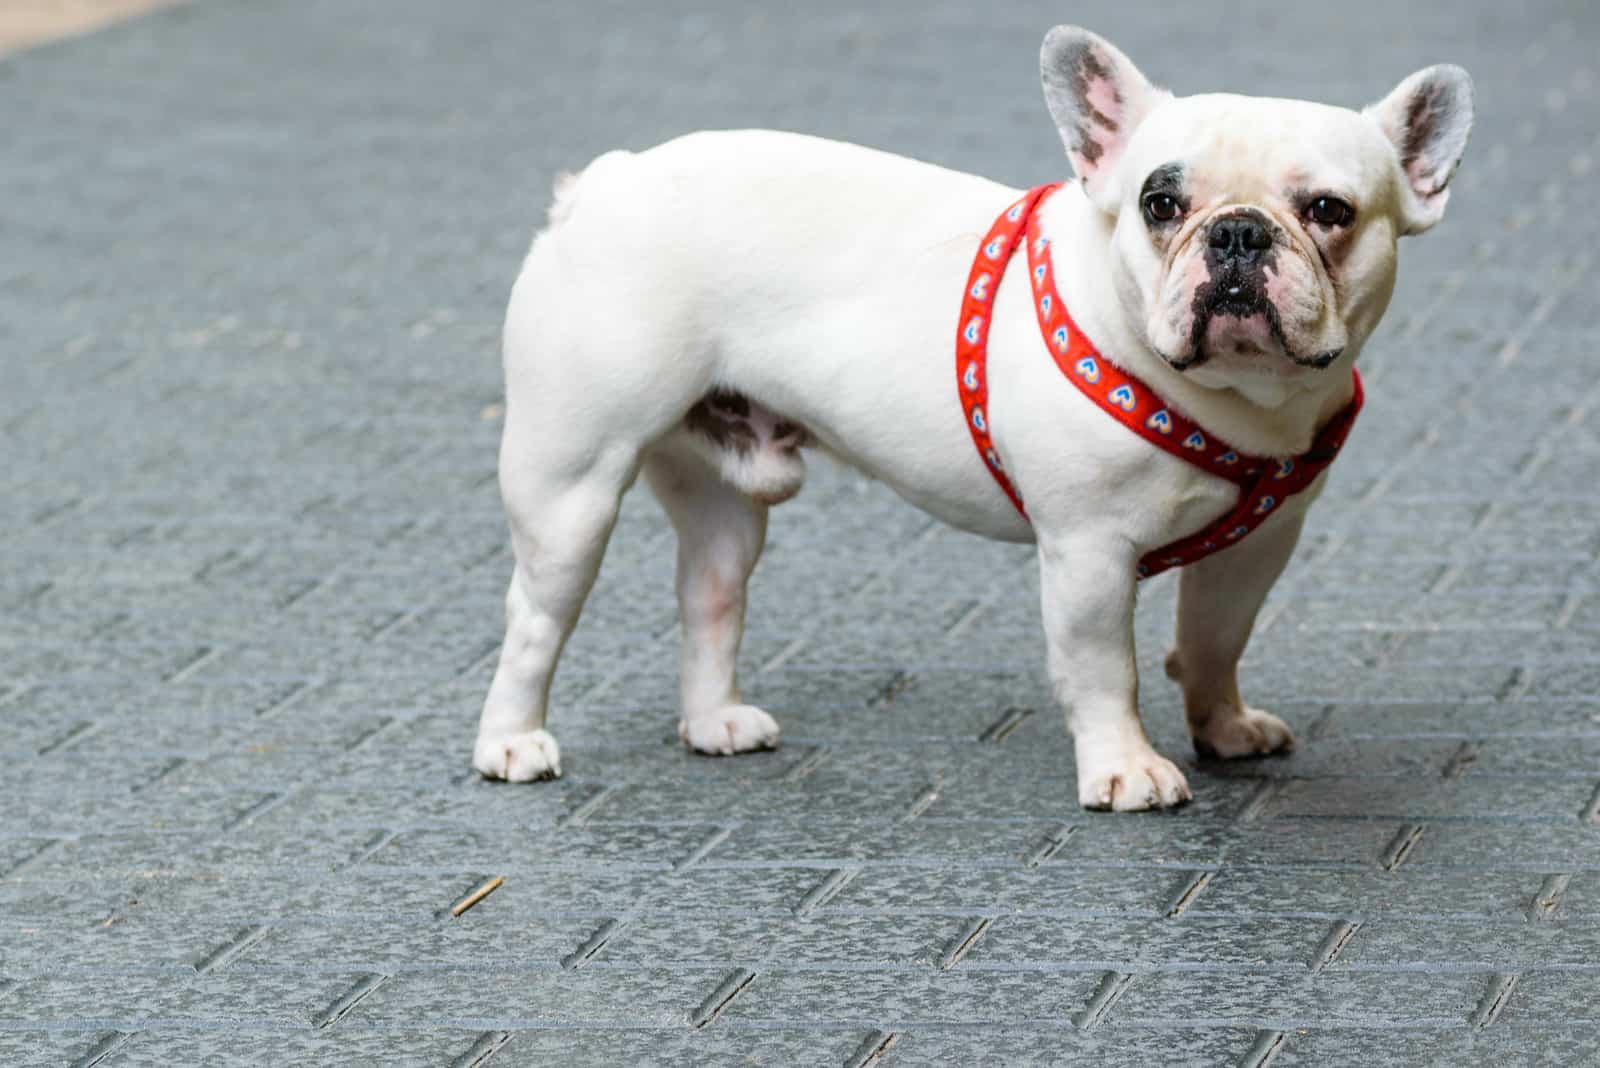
1254 239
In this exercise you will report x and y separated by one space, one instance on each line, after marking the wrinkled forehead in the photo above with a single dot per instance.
1244 147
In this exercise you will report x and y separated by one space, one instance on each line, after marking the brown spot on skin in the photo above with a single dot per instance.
1091 68
1088 69
726 400
789 436
731 420
718 423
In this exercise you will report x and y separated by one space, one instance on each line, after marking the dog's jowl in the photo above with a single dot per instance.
1148 366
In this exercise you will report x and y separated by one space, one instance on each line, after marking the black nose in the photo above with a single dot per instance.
1239 237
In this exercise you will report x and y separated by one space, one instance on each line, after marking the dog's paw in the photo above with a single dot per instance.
1253 733
517 757
728 730
1133 782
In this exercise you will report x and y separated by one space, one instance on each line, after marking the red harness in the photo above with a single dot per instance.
1264 482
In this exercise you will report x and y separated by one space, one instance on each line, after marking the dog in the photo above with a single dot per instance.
708 310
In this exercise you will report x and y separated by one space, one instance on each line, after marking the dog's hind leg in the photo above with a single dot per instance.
561 520
720 535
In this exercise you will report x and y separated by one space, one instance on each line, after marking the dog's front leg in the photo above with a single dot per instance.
1218 598
1087 585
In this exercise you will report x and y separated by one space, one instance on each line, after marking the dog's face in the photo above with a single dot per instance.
1253 239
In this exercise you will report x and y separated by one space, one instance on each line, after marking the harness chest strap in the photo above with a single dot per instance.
1264 483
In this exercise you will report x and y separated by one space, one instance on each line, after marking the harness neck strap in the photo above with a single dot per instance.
1264 482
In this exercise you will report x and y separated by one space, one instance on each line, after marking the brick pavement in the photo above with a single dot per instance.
253 263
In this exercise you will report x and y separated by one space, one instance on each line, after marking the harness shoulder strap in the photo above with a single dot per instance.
972 330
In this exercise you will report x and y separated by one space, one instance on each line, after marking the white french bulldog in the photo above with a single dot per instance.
705 310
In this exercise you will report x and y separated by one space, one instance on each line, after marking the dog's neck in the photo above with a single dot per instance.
1080 247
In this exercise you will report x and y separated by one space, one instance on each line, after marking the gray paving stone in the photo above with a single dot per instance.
1522 800
1168 842
696 890
17 851
49 1048
1406 891
1327 683
249 844
893 1001
174 944
1418 758
87 814
132 1002
926 841
754 941
1581 896
1129 945
644 846
115 856
1547 718
1508 944
1522 1047
1534 847
390 947
1290 1002
823 795
357 813
266 895
81 897
1062 1047
405 1048
1003 891
1553 998
715 1046
512 1000
1564 681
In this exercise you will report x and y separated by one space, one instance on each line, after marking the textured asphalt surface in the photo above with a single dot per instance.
253 258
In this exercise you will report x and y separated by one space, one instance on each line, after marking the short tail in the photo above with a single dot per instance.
569 186
566 198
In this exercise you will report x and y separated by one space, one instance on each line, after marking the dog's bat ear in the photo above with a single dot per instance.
1427 118
1097 97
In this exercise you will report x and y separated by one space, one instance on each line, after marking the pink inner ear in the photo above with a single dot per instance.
1420 166
1099 139
1103 98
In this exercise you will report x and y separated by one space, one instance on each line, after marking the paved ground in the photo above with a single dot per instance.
254 258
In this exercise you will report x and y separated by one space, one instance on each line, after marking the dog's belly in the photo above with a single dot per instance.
758 450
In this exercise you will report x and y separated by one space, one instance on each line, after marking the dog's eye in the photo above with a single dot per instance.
1159 207
1330 211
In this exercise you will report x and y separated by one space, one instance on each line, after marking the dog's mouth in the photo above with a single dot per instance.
1232 316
